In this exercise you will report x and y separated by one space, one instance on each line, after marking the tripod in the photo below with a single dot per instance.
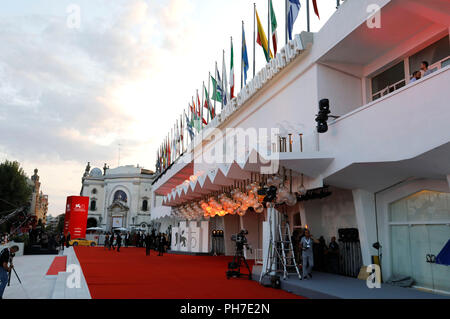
234 267
18 278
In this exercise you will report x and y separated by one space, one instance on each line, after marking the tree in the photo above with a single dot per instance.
15 191
60 227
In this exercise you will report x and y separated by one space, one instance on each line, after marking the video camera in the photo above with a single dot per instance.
240 240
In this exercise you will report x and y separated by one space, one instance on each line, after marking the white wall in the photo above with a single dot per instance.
343 90
324 217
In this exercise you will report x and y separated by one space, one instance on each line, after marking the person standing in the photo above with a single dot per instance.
161 244
112 240
61 241
106 241
424 68
68 240
148 244
333 256
119 242
127 240
6 256
306 245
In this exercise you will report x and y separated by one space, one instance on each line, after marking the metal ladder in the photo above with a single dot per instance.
288 256
277 259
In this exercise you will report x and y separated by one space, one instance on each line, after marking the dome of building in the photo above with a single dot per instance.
96 172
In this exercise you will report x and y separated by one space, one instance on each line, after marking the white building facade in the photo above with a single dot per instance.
119 197
385 159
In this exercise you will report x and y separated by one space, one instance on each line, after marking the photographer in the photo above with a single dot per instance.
306 244
6 257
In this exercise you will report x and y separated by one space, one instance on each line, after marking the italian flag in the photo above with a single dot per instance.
262 39
274 26
232 72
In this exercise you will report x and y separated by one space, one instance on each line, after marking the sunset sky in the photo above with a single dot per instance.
69 95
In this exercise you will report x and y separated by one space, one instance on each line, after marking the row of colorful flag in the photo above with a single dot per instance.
201 112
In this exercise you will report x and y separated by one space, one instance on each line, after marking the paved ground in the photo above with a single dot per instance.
31 270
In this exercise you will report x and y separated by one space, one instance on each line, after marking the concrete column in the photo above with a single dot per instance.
365 217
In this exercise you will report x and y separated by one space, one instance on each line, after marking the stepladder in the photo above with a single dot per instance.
280 258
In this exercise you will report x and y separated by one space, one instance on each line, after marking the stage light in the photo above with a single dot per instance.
322 117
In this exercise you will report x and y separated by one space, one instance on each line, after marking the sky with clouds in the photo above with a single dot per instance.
72 95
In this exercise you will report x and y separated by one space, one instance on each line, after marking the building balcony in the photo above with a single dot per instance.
403 134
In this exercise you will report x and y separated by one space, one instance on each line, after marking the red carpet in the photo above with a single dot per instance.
58 265
131 274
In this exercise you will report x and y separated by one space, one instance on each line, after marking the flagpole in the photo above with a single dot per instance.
307 16
203 102
231 69
254 38
223 80
242 56
286 13
209 106
215 75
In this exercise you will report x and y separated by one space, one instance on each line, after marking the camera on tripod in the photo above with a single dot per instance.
234 267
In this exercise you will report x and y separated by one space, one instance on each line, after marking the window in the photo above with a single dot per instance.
145 205
388 81
93 205
94 191
120 196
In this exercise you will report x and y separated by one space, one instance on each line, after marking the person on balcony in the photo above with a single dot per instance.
424 69
416 76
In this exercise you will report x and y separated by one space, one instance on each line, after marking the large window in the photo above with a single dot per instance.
144 205
390 80
419 229
437 53
93 205
120 196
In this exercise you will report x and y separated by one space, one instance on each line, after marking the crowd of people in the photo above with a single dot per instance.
159 242
315 253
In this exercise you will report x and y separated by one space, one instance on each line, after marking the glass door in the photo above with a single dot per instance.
439 236
420 248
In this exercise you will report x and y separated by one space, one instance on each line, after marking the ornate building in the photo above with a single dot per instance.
118 197
39 201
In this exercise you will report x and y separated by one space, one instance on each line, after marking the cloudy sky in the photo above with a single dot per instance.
72 93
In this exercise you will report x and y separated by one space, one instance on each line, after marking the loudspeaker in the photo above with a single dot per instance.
348 235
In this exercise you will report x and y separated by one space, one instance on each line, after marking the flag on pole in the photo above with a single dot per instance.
225 82
217 89
274 25
316 10
262 39
189 127
232 71
246 66
208 105
294 9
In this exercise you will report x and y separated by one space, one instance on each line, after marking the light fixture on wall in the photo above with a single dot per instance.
302 190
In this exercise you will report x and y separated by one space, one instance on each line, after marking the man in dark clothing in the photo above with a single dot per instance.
68 240
111 242
161 244
127 240
107 241
62 241
119 242
333 256
5 270
148 244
